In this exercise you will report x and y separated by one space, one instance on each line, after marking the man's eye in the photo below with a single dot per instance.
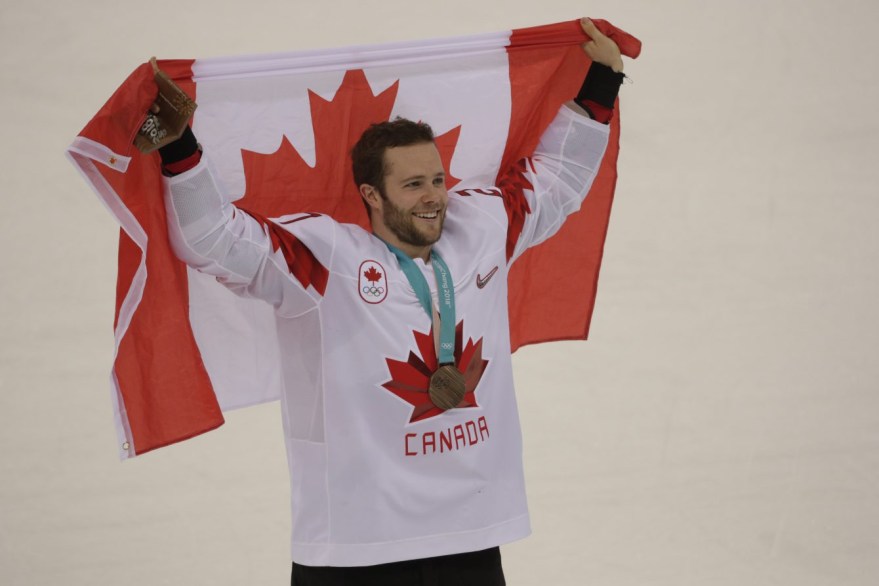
439 181
414 184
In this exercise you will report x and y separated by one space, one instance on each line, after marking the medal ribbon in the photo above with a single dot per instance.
446 297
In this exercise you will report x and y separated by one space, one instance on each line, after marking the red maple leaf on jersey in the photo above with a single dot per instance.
372 275
283 183
410 380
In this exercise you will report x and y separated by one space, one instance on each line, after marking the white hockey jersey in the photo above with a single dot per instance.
377 473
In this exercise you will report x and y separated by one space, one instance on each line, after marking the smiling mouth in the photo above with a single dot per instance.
427 215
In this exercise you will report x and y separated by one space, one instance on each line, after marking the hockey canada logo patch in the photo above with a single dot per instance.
410 378
372 283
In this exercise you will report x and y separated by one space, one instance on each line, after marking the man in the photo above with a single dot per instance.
400 420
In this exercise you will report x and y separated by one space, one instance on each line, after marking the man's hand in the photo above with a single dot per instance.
601 49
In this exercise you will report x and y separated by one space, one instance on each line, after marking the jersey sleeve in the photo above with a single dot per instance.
542 190
251 255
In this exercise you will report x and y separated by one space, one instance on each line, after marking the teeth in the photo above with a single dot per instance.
427 215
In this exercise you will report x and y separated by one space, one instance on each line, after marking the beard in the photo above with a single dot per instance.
402 224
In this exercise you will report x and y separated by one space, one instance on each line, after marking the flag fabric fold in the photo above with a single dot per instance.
278 129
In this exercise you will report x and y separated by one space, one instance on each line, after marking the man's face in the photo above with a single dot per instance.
414 198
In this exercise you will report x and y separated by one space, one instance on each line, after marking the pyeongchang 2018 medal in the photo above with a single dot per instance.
446 387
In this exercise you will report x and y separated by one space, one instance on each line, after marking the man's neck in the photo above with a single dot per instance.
410 250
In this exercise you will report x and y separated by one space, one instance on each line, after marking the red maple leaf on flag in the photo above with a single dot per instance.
410 380
372 275
282 182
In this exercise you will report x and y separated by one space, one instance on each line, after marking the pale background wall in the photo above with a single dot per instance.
719 428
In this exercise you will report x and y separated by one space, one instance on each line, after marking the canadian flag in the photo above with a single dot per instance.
278 129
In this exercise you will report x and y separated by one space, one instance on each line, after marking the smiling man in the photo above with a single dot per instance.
400 419
402 180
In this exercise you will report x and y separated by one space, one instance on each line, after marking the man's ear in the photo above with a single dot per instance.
370 195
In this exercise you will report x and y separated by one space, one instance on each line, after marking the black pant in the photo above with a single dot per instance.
478 568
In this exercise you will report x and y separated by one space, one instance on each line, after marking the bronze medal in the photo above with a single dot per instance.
175 110
446 387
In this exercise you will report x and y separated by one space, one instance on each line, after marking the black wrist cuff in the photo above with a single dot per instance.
602 85
180 149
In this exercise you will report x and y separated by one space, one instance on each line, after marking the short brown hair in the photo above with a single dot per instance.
368 155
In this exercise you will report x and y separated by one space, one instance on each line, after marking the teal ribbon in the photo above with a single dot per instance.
446 289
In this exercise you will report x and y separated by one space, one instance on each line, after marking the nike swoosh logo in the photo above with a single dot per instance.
482 282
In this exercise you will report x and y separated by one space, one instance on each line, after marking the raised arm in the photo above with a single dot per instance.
249 254
542 190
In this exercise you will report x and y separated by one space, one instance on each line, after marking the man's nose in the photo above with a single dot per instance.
436 193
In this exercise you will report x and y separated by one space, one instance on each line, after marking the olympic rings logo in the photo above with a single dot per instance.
372 285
